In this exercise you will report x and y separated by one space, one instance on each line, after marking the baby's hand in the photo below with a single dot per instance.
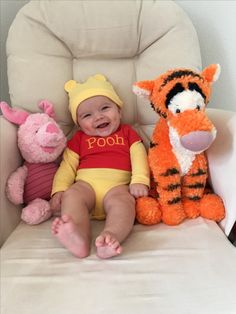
138 190
55 202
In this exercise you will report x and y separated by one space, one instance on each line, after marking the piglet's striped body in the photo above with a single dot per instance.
38 183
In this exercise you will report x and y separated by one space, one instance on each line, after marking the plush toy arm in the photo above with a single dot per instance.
15 185
222 167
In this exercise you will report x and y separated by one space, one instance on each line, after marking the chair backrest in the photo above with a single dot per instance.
51 42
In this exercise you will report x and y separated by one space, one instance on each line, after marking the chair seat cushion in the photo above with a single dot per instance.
189 268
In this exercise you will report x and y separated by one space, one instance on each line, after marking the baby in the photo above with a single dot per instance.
104 168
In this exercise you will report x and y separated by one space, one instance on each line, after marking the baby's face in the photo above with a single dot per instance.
98 116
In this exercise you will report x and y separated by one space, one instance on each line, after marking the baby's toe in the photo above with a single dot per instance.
99 241
114 244
65 218
56 225
108 239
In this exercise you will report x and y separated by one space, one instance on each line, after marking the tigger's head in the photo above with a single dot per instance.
180 96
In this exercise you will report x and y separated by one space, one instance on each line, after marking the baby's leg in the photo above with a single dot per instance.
119 206
73 228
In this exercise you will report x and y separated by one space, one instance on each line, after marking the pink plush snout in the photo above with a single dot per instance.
52 128
197 141
49 135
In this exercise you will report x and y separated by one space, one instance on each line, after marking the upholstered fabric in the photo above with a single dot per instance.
52 42
221 158
187 269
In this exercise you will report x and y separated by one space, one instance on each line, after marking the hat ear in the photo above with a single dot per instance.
143 88
69 85
100 77
211 73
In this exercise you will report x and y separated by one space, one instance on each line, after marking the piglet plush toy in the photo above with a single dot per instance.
41 142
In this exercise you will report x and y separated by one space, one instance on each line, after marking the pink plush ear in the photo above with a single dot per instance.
47 108
143 88
15 116
211 73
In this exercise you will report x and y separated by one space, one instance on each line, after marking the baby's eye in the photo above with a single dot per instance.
105 107
87 115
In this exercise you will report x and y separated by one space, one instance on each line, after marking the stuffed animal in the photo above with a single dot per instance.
41 141
176 156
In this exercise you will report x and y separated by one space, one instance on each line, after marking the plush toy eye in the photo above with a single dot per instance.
198 107
177 111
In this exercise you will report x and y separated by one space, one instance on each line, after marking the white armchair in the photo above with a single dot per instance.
188 268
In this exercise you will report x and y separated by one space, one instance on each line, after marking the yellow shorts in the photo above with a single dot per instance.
102 180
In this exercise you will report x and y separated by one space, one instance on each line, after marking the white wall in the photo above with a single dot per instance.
215 22
8 10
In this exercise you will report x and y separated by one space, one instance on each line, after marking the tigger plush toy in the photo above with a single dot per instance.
176 156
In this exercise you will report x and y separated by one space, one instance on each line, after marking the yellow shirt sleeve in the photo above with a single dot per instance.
66 173
139 164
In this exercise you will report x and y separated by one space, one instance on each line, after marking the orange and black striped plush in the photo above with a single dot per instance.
176 156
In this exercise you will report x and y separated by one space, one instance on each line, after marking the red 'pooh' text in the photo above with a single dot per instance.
102 141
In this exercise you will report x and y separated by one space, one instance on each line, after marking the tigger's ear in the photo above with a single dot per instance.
143 88
211 73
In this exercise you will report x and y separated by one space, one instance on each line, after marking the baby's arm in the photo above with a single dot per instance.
140 180
66 173
64 177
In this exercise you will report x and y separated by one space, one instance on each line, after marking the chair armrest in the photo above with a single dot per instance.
9 161
222 163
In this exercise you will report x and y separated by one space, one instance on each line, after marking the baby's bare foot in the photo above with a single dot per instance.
70 236
107 245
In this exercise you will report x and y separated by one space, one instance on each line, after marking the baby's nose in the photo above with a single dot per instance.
98 115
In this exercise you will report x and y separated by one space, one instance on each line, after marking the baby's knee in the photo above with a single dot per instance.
80 193
127 197
69 193
121 198
130 199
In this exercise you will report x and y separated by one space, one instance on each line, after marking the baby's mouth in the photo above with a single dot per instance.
103 125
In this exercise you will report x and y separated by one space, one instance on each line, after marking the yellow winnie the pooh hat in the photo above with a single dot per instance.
96 85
